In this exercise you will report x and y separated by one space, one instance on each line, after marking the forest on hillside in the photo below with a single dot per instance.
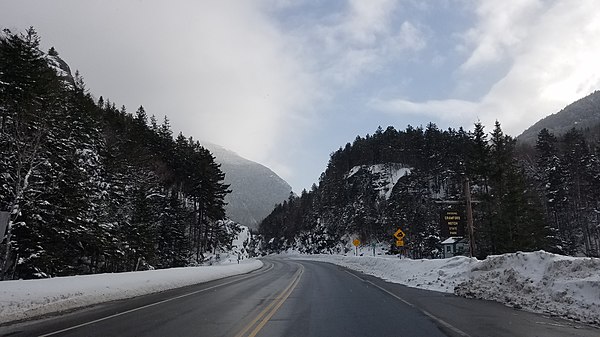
546 198
88 187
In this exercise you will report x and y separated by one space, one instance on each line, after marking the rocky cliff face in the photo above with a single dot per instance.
61 67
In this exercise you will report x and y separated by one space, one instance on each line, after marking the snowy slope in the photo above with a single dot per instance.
538 281
22 299
240 248
255 189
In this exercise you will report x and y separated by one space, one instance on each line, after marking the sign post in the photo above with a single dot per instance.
356 243
469 218
399 235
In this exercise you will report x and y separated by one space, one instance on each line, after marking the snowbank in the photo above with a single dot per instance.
539 281
28 298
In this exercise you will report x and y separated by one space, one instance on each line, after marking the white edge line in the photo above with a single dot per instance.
439 320
152 304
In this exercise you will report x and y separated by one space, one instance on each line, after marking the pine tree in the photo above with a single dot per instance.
552 183
580 209
92 188
30 96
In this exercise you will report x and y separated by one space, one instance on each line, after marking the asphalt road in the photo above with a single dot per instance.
299 298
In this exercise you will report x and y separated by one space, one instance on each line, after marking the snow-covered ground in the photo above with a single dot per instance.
28 298
239 249
538 281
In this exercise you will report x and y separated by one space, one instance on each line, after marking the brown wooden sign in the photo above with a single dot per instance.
453 223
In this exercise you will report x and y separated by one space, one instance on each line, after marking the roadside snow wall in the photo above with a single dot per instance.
538 281
23 299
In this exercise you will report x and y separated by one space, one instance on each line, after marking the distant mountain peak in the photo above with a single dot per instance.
255 189
580 114
225 154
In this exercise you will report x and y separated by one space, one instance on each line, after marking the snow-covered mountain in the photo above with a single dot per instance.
255 189
581 114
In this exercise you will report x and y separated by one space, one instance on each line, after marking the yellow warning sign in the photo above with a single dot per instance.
399 234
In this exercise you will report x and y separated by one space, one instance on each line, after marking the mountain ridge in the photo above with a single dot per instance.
581 114
255 188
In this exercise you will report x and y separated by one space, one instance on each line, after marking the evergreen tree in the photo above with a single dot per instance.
92 188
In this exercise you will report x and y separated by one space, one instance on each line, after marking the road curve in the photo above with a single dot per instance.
298 298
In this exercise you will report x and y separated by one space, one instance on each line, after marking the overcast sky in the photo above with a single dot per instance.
287 82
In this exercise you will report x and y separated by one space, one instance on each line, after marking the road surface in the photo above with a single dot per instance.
299 298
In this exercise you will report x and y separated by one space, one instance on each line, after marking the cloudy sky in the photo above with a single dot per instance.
287 82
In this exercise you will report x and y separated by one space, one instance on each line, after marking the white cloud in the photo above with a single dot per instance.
367 20
359 41
220 70
242 88
409 37
229 72
552 51
450 109
502 27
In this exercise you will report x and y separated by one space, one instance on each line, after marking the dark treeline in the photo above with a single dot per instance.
518 206
91 188
567 170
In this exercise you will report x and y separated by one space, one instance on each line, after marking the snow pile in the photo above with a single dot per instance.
438 275
538 281
28 298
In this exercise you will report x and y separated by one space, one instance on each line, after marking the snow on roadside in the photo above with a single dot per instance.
23 299
538 281
438 275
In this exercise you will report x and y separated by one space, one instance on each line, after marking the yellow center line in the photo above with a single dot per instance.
248 275
272 308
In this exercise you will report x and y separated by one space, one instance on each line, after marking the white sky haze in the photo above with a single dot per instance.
285 83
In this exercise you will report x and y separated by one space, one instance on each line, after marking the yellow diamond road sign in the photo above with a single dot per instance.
356 242
399 234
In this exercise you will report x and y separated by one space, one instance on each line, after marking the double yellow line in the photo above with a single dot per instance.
259 321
